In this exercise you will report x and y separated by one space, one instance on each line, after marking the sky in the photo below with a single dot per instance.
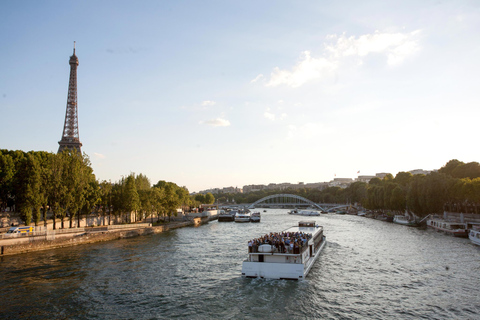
212 94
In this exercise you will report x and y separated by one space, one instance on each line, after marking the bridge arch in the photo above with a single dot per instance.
286 196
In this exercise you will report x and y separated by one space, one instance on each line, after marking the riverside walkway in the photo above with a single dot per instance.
51 239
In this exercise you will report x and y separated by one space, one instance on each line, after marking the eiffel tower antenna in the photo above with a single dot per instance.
70 136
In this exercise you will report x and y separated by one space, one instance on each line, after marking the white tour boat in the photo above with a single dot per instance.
242 216
279 260
304 212
255 217
474 235
456 229
405 220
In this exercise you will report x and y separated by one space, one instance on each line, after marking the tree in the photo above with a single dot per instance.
201 198
469 170
132 200
450 166
403 179
27 184
209 198
7 174
105 193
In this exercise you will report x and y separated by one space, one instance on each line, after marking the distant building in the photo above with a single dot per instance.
253 188
340 182
365 178
381 175
420 171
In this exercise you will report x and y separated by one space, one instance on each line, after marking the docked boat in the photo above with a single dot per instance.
474 235
384 217
226 216
456 229
405 220
304 212
255 217
289 254
242 216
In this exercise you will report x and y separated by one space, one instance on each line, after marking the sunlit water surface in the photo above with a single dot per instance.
368 270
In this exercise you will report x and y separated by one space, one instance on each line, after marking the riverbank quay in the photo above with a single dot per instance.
58 239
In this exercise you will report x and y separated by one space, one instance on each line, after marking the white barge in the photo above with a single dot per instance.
474 235
242 216
304 212
457 229
286 255
255 217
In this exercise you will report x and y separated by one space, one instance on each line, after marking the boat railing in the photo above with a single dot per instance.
274 250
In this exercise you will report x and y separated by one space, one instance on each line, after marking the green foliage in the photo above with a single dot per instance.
209 198
65 183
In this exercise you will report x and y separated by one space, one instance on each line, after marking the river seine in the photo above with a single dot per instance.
368 270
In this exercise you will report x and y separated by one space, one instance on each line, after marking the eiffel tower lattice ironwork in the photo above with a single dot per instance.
70 137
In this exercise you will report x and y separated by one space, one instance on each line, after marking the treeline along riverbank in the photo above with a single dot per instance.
455 187
62 186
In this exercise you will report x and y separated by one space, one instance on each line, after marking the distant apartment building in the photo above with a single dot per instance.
253 188
420 171
365 179
340 182
381 175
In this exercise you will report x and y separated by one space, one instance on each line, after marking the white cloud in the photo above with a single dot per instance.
219 122
395 46
272 116
307 69
99 155
260 76
207 103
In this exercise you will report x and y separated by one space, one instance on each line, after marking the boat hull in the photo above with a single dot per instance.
405 222
287 271
226 218
447 228
474 237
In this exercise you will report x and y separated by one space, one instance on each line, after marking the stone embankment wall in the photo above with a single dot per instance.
89 237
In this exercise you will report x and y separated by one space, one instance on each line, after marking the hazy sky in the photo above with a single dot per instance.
228 93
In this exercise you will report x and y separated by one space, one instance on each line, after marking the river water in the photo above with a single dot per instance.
369 269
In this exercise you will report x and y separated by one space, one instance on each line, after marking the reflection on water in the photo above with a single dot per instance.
369 269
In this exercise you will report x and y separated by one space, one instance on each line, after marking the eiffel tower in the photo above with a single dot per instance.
70 138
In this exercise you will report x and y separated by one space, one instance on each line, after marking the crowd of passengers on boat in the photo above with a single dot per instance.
285 242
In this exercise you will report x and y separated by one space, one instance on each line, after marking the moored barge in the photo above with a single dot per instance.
457 229
289 254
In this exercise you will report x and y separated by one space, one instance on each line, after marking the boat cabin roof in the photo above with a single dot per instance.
306 227
306 224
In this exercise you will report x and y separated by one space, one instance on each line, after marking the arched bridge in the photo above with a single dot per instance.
285 200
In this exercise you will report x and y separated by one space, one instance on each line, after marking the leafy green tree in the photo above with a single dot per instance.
105 193
209 198
398 199
7 174
201 198
403 179
469 170
132 199
450 166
